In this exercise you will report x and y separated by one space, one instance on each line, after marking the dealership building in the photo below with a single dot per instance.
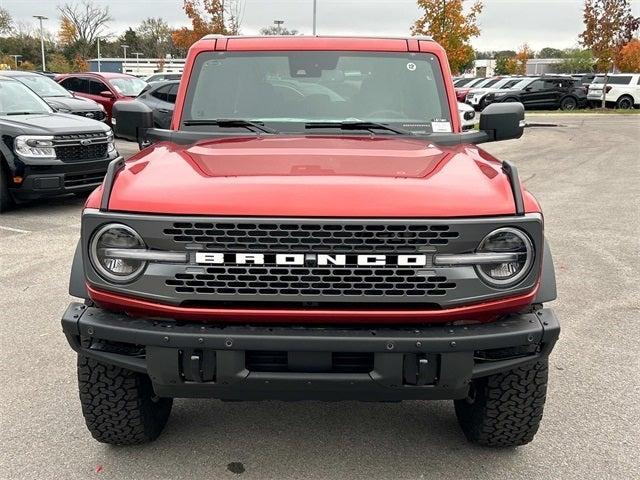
141 67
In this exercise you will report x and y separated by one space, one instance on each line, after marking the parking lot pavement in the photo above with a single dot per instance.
587 177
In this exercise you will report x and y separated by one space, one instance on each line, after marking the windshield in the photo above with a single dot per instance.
43 86
522 83
301 87
128 86
16 99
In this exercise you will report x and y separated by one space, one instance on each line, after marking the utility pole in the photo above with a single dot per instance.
278 24
315 15
15 58
41 18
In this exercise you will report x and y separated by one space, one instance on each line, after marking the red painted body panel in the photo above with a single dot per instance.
479 312
314 176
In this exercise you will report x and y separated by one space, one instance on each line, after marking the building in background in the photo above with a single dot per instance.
140 67
541 66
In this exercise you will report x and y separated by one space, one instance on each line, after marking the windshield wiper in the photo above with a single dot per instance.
232 123
358 125
24 113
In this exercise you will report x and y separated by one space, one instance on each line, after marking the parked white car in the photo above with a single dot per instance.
476 96
623 90
467 116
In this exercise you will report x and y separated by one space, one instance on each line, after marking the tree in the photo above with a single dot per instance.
548 52
58 63
155 37
6 22
449 25
208 16
630 57
277 30
576 60
506 66
609 25
81 24
523 55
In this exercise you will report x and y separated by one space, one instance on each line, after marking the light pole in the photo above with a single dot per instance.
15 58
99 64
315 15
41 18
124 47
278 24
137 54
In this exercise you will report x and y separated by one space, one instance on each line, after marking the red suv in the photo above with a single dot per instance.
313 225
105 88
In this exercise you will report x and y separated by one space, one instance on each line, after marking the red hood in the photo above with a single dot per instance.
314 176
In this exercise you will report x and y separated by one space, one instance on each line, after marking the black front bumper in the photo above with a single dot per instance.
307 362
59 178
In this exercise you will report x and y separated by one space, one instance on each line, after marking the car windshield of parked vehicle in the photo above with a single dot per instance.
302 87
128 86
44 86
16 99
521 84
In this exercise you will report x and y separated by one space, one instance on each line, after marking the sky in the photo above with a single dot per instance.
505 24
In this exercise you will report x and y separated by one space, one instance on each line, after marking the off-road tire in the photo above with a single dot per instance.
119 405
504 410
6 202
625 102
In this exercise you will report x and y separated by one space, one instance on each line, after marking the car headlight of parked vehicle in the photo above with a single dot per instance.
111 144
35 147
115 253
510 260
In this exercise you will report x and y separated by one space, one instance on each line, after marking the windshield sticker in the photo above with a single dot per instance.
441 127
411 66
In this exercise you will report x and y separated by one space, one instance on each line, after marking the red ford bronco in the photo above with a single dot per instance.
314 225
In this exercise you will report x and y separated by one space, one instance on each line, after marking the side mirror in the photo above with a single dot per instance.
527 89
503 121
106 94
130 118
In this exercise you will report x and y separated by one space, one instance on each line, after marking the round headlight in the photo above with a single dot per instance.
104 250
506 240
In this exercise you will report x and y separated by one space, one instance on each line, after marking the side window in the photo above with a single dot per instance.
173 93
620 80
76 84
96 87
161 93
537 86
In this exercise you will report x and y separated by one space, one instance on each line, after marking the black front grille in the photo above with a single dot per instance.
325 282
317 237
69 148
93 114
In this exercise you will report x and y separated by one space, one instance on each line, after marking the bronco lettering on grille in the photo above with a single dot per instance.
217 258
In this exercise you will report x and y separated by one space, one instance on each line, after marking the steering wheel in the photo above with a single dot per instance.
386 113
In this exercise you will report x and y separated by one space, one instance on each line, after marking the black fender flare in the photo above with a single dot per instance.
547 290
77 283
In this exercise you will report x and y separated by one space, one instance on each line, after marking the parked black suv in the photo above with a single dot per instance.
43 153
58 97
564 93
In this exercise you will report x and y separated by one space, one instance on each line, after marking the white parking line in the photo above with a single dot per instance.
17 230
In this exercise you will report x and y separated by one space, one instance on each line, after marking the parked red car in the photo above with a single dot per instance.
105 88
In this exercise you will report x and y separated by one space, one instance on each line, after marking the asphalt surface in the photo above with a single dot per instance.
586 174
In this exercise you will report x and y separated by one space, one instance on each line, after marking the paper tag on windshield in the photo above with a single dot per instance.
441 127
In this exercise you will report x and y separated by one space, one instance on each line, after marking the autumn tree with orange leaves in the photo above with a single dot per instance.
522 56
629 58
208 16
447 22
